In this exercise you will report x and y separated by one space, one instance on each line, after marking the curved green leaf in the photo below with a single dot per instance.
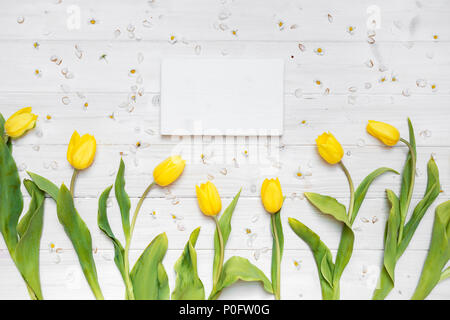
103 224
321 255
80 237
238 268
122 199
384 286
407 175
438 254
363 187
277 249
431 193
393 224
45 185
148 276
188 285
11 201
328 205
445 274
225 227
30 231
326 268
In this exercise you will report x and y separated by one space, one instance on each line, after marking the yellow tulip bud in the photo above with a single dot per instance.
20 122
169 170
329 148
208 199
81 151
384 132
271 195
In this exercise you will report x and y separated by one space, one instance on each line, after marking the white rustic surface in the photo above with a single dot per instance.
120 115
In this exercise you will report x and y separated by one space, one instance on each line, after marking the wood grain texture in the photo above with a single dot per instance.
404 73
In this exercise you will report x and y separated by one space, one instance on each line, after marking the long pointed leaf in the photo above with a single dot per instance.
328 205
122 199
148 276
27 250
11 201
407 175
80 237
225 227
188 284
363 187
393 224
438 254
431 193
103 224
321 255
45 185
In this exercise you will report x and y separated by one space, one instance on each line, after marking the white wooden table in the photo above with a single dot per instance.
92 90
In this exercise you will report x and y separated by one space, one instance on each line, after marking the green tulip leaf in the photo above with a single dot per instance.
80 237
45 185
326 268
438 254
329 205
393 224
103 224
385 282
363 187
225 227
148 276
122 199
445 274
431 193
238 268
407 175
188 284
30 231
277 249
322 257
11 201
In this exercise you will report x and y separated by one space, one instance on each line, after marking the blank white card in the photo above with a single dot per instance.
238 97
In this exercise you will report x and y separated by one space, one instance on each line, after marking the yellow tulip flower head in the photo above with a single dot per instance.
20 122
169 170
384 132
329 148
271 195
208 199
81 151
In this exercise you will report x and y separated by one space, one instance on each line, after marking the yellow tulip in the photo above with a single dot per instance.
384 132
169 170
208 199
20 122
271 195
81 151
329 148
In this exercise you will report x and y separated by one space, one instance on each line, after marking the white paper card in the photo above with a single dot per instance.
237 97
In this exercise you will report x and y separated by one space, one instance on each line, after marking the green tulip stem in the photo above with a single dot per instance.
72 181
278 257
352 192
219 270
411 186
129 285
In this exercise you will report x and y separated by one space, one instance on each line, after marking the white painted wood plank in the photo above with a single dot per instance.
50 161
320 113
204 20
340 68
64 279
